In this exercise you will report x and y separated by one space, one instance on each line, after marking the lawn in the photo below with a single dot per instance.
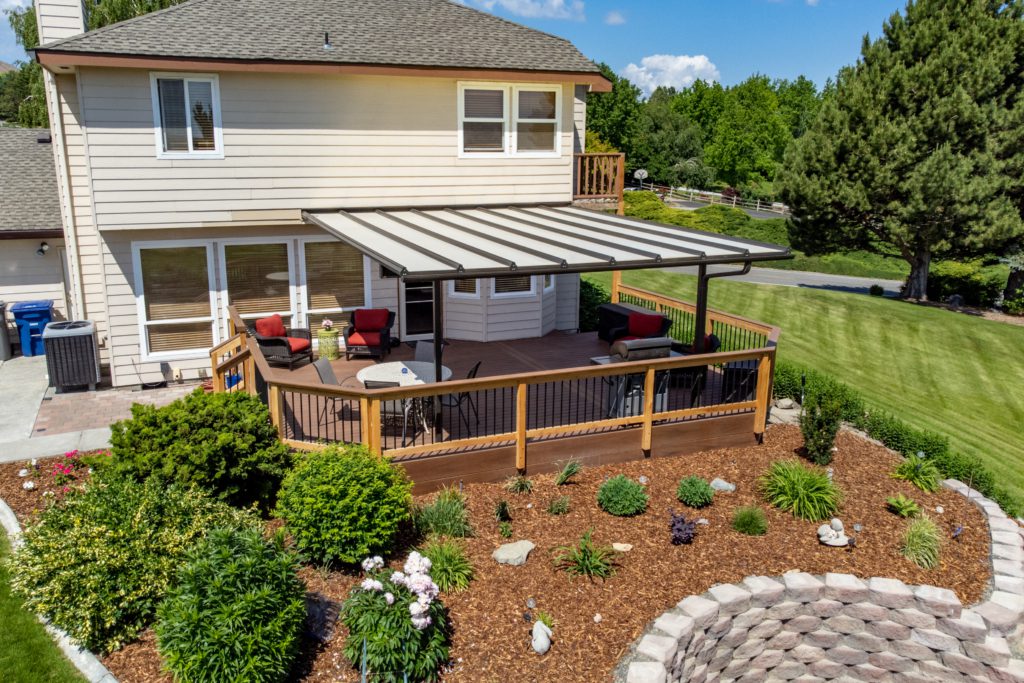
26 651
948 372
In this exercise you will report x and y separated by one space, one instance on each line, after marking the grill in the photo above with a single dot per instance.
72 355
641 349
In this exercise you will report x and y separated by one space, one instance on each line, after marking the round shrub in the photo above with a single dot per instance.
236 613
344 503
807 493
750 521
223 442
397 620
695 492
622 497
98 564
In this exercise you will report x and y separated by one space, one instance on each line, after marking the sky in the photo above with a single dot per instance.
674 42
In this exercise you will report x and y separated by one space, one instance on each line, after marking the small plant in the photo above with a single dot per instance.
819 423
236 612
586 559
446 515
876 290
695 492
622 497
505 529
341 504
683 531
920 472
450 568
921 543
559 505
519 485
546 619
750 521
807 493
502 512
903 506
568 471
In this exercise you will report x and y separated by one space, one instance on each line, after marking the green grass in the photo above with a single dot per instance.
27 654
946 372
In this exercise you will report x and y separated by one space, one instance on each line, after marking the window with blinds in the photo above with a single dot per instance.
176 307
483 120
258 279
536 120
509 119
335 281
511 285
187 116
549 282
464 287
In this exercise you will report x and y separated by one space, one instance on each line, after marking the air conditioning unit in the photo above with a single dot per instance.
72 354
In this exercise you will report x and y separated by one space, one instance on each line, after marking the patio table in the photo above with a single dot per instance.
417 372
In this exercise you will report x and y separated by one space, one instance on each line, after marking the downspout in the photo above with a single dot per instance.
703 278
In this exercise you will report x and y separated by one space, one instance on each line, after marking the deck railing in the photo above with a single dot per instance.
520 409
600 176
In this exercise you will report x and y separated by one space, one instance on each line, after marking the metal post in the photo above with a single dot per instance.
701 316
438 350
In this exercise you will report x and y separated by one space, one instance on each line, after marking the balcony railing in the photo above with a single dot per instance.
600 177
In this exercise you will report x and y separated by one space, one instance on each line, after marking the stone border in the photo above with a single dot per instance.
86 662
839 627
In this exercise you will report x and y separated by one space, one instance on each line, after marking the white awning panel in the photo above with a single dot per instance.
442 244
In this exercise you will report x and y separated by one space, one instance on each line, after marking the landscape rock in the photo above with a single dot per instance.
722 485
541 638
622 547
513 554
321 616
785 403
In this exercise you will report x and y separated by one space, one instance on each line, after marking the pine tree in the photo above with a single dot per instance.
919 151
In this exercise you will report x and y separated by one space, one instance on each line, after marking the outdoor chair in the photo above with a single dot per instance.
641 326
425 350
464 401
369 333
409 411
279 345
327 378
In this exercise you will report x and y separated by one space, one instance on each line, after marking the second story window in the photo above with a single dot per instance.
186 113
507 120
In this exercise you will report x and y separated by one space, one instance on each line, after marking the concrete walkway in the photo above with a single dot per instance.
22 385
798 278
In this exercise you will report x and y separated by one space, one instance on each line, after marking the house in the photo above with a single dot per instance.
32 251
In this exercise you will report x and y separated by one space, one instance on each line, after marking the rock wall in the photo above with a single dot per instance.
839 627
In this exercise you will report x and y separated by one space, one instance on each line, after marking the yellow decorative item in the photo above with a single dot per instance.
327 340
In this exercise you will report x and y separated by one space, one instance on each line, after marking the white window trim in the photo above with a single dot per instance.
222 244
532 292
510 119
303 290
549 288
140 302
218 135
452 294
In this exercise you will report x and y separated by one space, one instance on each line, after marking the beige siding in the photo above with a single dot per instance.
579 119
567 292
549 307
59 19
517 317
303 141
24 276
464 316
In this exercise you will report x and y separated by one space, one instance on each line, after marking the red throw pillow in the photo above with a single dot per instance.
372 319
271 327
297 345
644 324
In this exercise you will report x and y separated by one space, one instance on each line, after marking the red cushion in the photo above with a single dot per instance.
364 339
371 319
271 327
297 345
645 324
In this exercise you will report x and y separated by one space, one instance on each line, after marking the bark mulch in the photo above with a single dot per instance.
491 635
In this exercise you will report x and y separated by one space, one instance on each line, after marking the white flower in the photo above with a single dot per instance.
35 461
417 564
420 623
423 586
28 485
371 563
416 608
22 473
389 598
372 585
398 578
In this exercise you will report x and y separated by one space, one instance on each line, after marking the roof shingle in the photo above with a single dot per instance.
429 33
29 200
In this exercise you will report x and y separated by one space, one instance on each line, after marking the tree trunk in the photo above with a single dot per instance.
917 281
1014 283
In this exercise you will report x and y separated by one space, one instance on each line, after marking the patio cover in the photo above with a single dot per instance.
446 244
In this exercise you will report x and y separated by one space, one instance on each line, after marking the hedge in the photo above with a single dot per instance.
894 432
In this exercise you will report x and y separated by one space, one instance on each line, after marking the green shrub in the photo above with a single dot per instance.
98 564
505 529
807 493
788 384
546 619
586 559
344 503
519 485
568 471
622 497
559 505
901 437
502 511
920 472
399 623
450 568
1015 304
902 506
921 543
979 285
446 515
695 492
750 521
819 424
876 290
592 295
236 612
223 442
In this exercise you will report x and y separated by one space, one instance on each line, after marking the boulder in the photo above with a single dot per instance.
514 554
722 485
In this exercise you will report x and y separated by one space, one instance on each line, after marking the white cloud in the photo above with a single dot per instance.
614 18
677 71
13 4
540 9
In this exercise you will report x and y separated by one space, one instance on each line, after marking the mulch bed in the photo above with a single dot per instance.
491 635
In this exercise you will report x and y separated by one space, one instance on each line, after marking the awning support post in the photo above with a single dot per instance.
701 315
438 348
616 285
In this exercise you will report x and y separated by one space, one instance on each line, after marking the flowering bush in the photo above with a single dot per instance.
396 621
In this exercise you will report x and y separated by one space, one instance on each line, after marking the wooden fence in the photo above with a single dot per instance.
600 176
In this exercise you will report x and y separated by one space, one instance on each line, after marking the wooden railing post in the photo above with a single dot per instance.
648 425
521 426
764 384
616 285
372 438
620 184
274 404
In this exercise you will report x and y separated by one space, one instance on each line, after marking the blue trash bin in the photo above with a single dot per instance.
31 317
